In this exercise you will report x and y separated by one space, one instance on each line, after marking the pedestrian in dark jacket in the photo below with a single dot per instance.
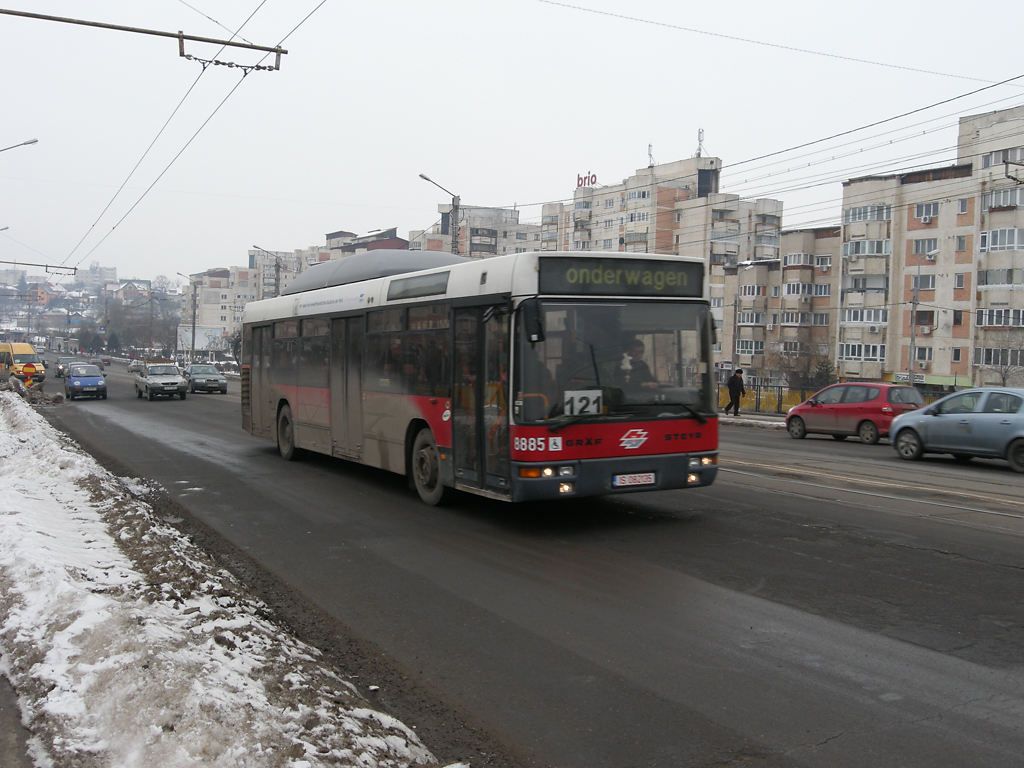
736 391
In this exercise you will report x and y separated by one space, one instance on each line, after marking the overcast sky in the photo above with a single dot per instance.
503 103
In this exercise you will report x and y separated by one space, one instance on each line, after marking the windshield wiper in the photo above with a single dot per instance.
560 422
693 412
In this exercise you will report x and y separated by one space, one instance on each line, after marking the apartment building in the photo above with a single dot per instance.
215 299
779 313
482 232
933 277
637 215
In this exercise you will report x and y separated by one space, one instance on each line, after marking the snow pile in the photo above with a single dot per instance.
129 647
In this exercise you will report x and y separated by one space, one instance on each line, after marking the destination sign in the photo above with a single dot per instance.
625 277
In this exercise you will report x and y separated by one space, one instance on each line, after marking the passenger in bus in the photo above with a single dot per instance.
634 372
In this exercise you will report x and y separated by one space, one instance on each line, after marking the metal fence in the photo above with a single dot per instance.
766 399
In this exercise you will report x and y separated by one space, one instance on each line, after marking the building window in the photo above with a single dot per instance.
925 246
957 354
958 317
929 210
962 206
961 243
924 282
607 244
867 213
923 354
958 280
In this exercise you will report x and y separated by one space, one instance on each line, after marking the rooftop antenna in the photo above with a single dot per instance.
700 142
650 155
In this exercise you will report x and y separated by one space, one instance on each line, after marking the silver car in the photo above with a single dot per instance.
986 422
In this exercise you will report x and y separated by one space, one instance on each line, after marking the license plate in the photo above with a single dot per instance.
635 478
88 389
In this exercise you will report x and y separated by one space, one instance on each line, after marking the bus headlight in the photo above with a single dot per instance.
700 462
564 487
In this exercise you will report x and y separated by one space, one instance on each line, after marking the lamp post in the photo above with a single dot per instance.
454 225
23 143
195 288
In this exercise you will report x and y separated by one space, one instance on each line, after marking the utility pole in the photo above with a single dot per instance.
195 308
913 324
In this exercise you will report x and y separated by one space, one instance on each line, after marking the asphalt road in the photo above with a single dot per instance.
823 604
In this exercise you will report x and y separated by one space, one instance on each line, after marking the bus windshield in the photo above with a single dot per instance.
648 359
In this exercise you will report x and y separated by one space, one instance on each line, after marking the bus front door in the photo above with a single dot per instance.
480 436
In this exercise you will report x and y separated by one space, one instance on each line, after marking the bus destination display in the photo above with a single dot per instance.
625 277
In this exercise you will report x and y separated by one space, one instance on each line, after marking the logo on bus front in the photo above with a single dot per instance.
633 439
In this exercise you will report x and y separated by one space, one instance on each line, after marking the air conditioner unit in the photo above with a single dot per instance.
854 257
924 330
926 219
872 329
825 268
804 299
771 326
922 364
930 256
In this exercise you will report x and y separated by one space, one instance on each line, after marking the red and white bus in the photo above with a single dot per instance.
521 377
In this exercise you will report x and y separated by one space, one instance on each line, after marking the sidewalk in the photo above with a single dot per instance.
754 419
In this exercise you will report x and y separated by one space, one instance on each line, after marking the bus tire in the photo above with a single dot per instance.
425 468
286 433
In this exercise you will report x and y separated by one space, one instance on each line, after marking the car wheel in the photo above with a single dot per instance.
425 468
838 437
908 445
138 393
149 394
796 428
103 396
868 432
182 395
1015 455
285 434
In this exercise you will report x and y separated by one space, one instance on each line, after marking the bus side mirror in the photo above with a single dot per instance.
532 323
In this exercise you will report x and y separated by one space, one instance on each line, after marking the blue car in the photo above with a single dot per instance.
987 422
85 380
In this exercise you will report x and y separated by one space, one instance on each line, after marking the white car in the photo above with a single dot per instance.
160 380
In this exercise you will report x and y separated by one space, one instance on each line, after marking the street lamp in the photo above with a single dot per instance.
454 226
277 270
195 288
22 144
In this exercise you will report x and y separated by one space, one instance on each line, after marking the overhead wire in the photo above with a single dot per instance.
203 125
149 148
763 43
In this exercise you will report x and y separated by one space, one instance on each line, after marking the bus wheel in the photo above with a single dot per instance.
426 468
285 433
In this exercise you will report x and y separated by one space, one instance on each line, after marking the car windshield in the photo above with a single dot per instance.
204 369
609 358
85 370
162 370
28 358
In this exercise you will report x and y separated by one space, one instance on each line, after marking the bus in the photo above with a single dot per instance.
522 377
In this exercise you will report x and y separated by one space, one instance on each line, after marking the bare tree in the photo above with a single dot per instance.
801 362
1006 362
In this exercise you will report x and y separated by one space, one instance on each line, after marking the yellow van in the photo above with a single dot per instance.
15 356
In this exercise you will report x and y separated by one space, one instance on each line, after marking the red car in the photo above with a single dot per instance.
865 409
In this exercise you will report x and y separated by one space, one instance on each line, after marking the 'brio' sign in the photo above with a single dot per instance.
586 181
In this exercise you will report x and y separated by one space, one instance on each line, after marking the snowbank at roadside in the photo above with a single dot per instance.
128 646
